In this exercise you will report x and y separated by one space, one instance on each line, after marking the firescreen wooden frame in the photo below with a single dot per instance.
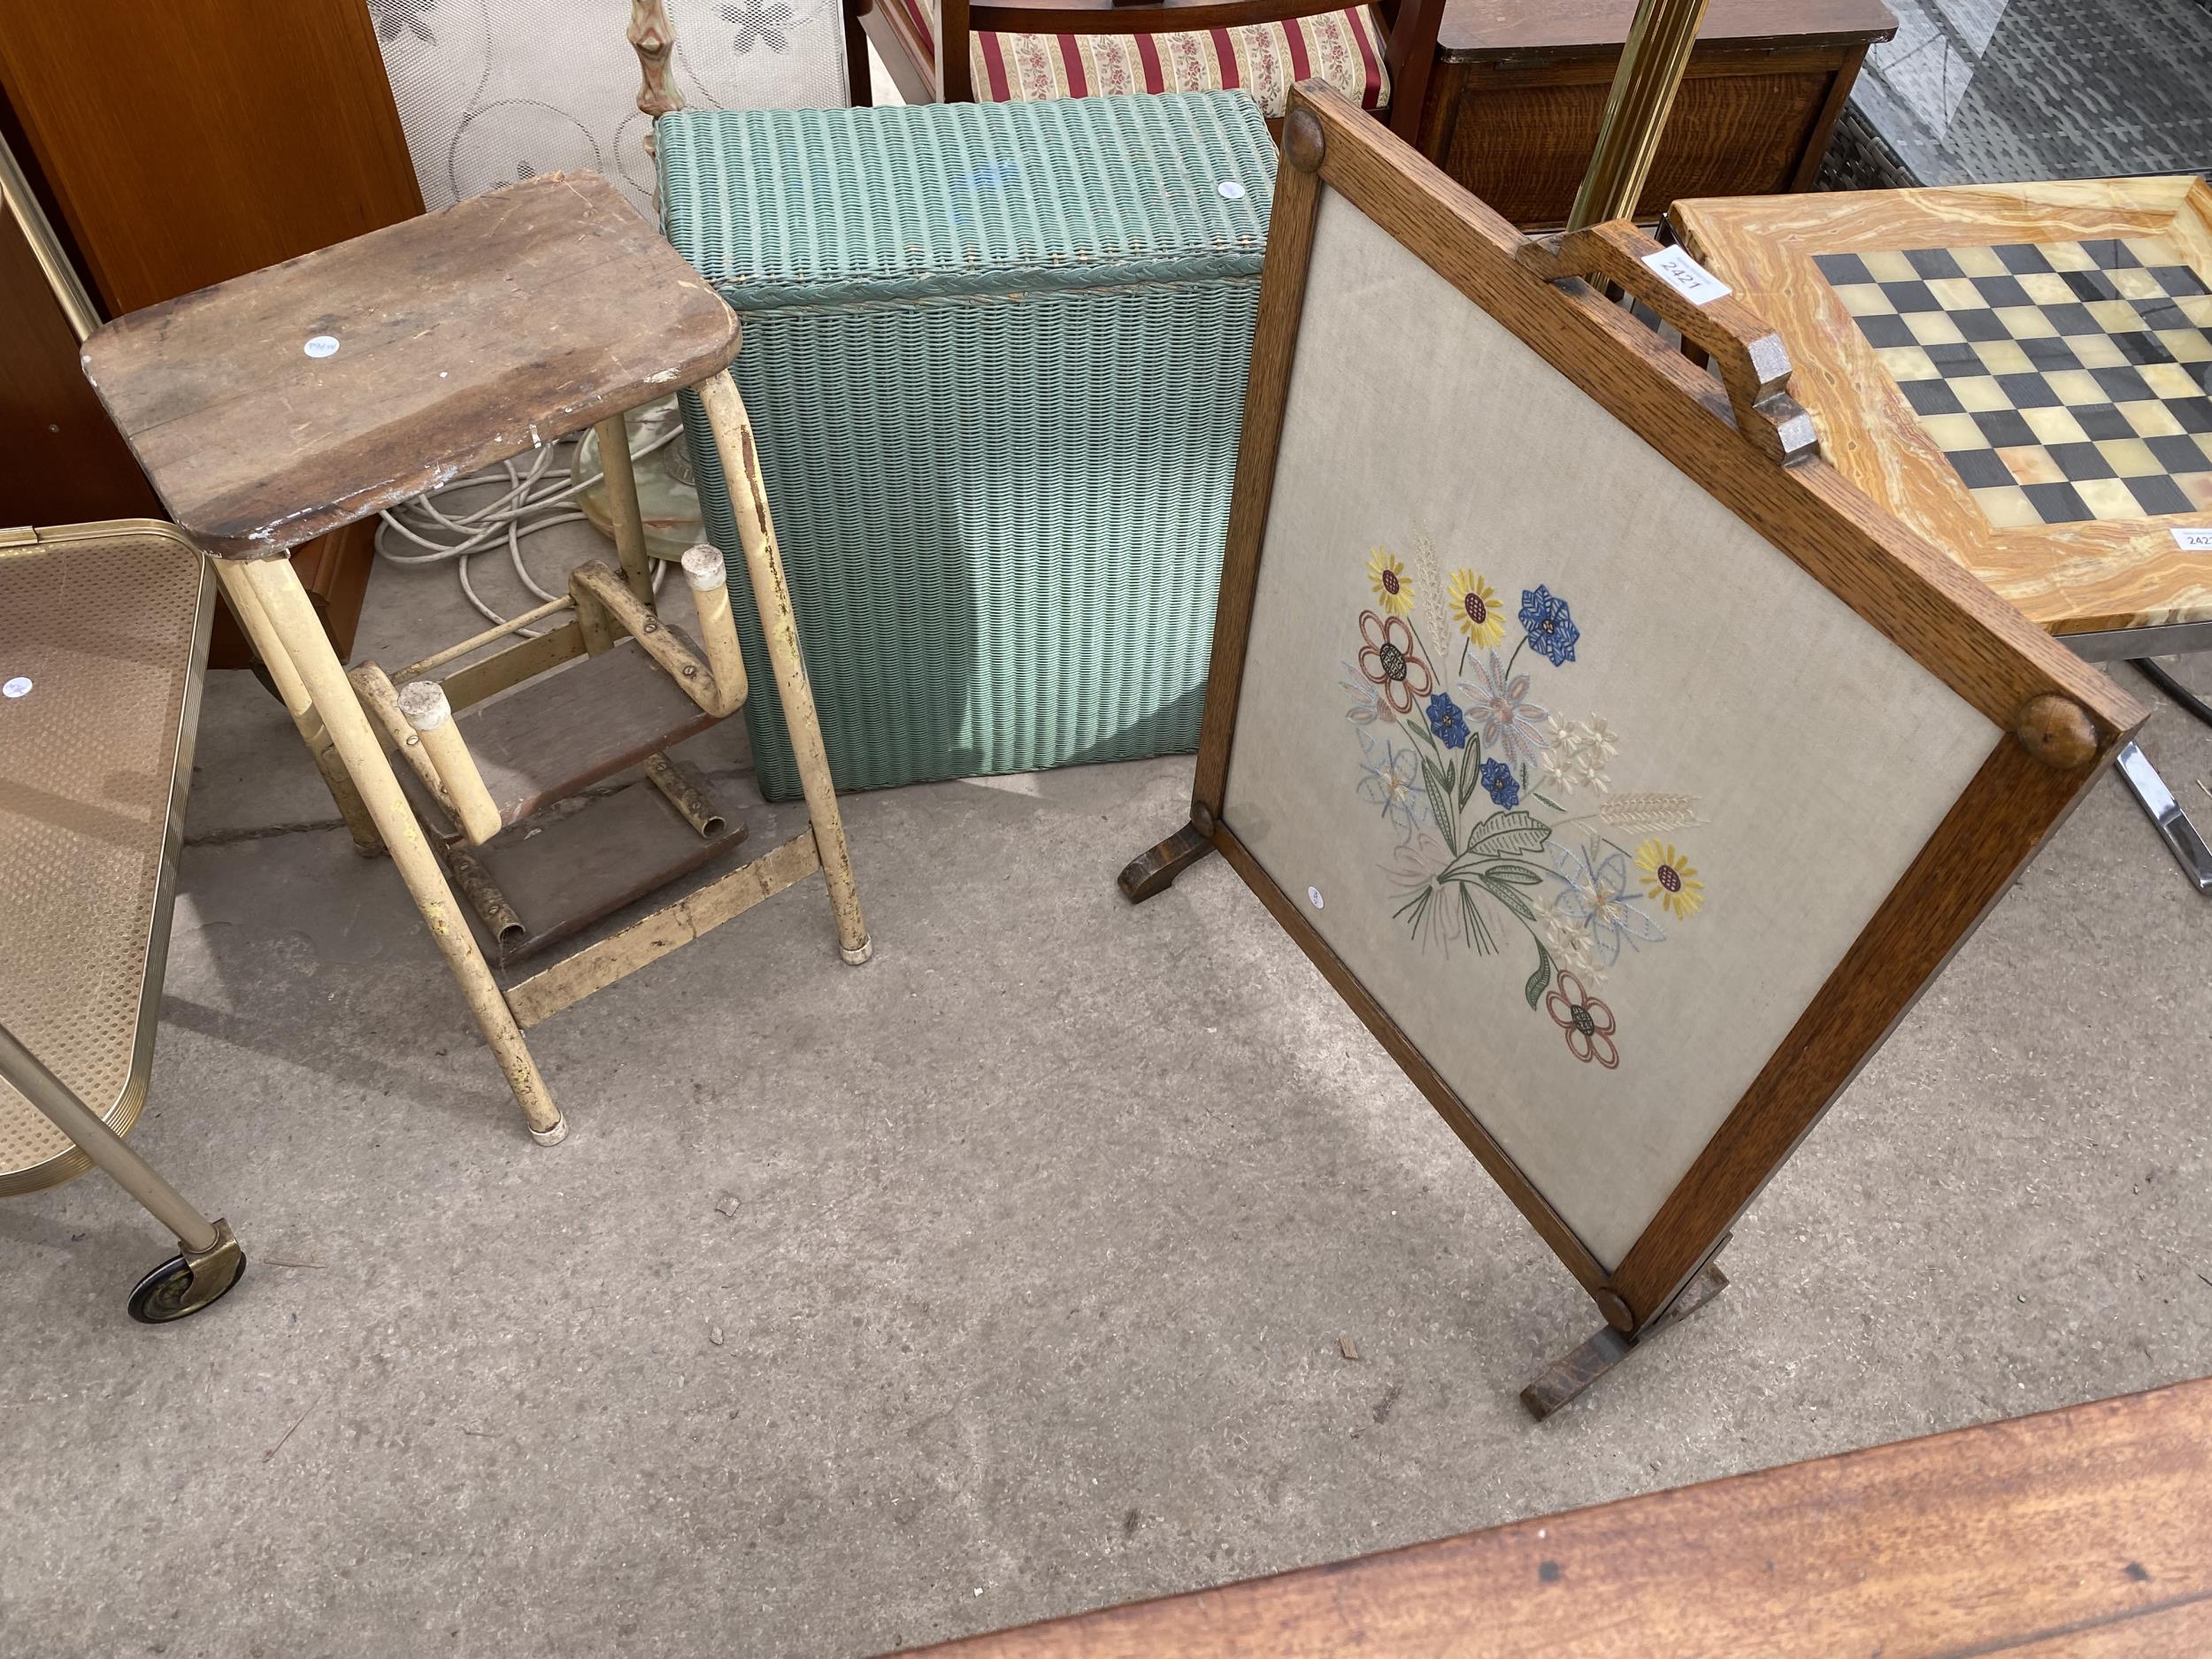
1745 443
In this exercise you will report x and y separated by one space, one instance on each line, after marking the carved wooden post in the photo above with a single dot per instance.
653 37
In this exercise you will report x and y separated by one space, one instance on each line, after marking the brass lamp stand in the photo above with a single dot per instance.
1653 60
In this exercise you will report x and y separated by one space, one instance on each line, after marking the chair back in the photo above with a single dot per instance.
497 90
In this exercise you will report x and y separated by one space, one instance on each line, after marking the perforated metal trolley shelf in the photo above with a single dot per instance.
102 649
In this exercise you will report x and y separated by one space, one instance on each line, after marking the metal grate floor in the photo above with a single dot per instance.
1983 91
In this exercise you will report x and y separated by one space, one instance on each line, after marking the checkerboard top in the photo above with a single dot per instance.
2064 382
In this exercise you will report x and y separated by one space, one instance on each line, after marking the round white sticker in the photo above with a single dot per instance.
322 346
1231 189
1314 894
18 687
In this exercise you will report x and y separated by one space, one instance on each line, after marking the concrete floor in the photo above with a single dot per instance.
1001 1279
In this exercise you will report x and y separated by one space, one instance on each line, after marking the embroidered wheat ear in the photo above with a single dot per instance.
1648 813
1425 562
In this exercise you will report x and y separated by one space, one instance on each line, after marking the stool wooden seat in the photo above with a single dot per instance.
282 404
457 339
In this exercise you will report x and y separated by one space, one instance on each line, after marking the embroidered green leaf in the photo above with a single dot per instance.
1470 775
1503 833
1534 989
1520 875
1504 892
1440 786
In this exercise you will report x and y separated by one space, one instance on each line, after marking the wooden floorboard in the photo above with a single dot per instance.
2085 1533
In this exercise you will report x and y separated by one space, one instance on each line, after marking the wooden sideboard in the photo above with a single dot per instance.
1519 91
173 146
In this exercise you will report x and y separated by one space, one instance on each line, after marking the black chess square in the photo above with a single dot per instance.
2178 454
2162 314
2058 504
2159 497
2081 461
1953 359
2029 391
2050 354
2073 320
2089 285
2123 386
1933 262
2004 429
2194 413
1980 469
1980 325
2178 280
2110 254
2102 420
2140 348
1932 397
1910 298
1886 331
2002 290
1842 270
2022 258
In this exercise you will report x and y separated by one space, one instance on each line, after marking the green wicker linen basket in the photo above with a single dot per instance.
995 358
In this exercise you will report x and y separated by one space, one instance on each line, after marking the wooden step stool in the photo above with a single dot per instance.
278 406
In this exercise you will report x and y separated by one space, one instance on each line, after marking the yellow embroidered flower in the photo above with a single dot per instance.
1393 592
1669 879
1475 608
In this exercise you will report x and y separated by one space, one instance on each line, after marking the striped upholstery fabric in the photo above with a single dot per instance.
1343 47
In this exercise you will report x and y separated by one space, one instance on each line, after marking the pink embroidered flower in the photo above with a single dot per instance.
1587 1022
1509 718
1387 659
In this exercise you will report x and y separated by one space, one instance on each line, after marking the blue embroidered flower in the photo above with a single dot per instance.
1395 786
1498 780
1595 896
1447 721
1550 629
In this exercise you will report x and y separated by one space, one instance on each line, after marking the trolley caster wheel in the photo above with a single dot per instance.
184 1283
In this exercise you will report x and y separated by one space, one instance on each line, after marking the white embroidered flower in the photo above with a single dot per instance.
1569 942
1576 759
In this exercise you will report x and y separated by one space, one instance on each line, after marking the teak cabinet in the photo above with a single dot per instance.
173 146
1519 86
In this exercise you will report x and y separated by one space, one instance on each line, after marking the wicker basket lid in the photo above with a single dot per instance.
808 207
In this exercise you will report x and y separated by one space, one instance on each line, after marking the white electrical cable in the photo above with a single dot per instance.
522 509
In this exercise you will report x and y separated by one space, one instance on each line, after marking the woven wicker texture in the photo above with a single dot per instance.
97 665
994 358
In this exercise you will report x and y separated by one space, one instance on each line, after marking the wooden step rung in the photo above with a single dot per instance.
560 872
550 737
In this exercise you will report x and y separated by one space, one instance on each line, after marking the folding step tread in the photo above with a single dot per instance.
563 872
565 730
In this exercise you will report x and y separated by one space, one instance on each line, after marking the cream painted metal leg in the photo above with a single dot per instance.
247 607
622 506
749 500
299 634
